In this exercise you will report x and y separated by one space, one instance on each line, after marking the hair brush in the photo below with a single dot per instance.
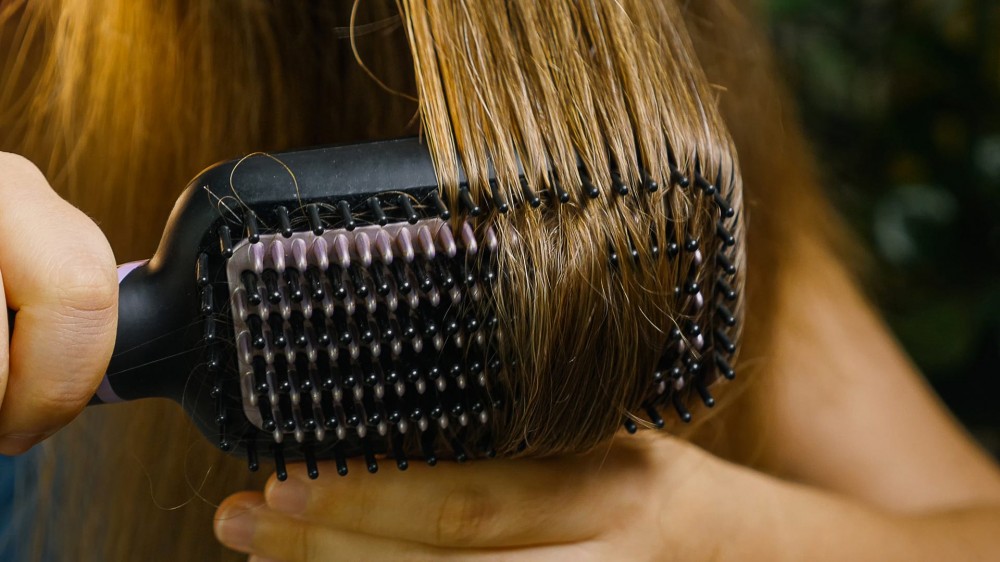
328 303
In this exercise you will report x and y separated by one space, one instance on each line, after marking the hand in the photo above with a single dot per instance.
58 272
646 497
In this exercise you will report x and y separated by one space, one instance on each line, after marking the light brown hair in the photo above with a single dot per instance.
121 102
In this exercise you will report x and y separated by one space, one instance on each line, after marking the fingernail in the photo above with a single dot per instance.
19 443
290 496
234 527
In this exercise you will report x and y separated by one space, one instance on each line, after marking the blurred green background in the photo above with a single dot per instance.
901 100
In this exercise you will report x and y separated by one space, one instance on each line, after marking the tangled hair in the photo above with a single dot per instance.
120 102
549 85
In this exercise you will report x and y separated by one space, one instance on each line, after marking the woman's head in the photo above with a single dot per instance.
121 102
614 86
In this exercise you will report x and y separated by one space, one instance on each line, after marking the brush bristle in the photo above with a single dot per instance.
325 324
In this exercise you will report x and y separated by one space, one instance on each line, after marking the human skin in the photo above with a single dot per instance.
58 272
853 459
852 456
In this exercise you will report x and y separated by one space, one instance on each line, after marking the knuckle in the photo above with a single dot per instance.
86 283
63 400
465 516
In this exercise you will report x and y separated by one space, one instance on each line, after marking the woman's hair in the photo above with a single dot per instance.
120 102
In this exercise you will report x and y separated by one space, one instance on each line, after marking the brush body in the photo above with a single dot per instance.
327 304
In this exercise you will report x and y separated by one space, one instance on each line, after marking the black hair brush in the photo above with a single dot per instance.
327 303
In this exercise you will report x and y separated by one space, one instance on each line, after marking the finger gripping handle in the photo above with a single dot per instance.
103 394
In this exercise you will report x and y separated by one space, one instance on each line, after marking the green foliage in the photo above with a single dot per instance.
902 101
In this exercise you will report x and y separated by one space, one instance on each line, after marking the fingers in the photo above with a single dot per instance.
487 504
245 523
600 506
59 275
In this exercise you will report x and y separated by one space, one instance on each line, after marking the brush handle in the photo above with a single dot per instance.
105 393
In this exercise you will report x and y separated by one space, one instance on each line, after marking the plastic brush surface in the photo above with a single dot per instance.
319 304
356 341
328 304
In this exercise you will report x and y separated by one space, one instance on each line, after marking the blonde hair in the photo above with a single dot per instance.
120 102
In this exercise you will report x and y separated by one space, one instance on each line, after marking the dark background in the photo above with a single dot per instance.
901 100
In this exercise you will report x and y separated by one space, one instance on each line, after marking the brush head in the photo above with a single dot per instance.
375 339
328 303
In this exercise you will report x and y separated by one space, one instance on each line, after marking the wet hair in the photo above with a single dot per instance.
121 102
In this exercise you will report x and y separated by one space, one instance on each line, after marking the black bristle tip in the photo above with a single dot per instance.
293 287
499 203
201 271
439 206
725 290
677 178
370 462
649 182
207 300
284 221
253 463
724 367
341 460
630 426
256 332
427 447
377 213
408 210
682 411
655 417
279 463
311 469
724 262
560 194
724 207
250 222
589 189
459 450
270 278
704 184
214 360
706 397
345 215
690 244
723 340
529 195
691 287
465 198
315 224
727 238
618 185
398 451
249 280
225 241
220 414
725 315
